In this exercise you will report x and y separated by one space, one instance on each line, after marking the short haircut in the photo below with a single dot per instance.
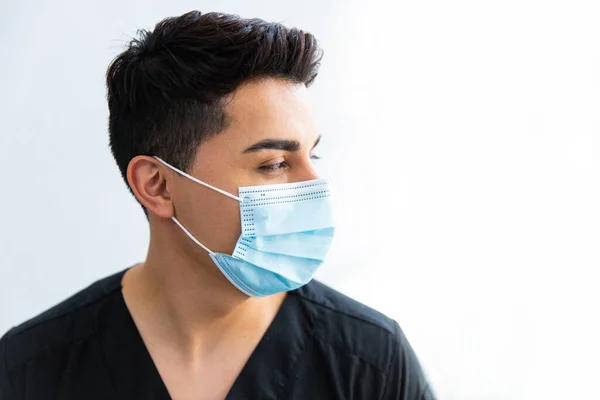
166 90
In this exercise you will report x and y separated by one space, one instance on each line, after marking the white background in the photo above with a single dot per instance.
463 138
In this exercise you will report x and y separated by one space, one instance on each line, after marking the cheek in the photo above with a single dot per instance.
214 220
225 227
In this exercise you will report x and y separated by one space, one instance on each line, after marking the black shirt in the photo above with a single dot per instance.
321 345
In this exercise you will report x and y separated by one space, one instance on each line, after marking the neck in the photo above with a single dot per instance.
190 302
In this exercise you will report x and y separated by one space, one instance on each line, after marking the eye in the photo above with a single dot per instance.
274 167
315 157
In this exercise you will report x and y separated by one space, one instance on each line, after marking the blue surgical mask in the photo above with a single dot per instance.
287 230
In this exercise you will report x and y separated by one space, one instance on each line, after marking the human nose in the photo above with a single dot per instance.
306 172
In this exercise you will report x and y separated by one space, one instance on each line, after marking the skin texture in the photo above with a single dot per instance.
199 329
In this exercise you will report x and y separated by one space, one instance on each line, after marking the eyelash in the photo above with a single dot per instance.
281 165
274 167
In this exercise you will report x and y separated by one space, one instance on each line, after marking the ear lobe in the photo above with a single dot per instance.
149 185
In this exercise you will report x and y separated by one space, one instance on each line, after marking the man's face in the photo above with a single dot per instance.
270 138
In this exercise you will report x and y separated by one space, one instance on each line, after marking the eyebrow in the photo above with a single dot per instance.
277 144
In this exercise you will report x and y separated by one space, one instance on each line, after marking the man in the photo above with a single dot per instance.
211 128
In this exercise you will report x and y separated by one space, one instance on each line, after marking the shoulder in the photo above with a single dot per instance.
354 331
70 320
351 326
344 308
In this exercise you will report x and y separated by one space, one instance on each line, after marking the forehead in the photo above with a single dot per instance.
270 108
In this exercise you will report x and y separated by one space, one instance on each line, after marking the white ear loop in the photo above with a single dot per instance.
192 236
199 181
203 184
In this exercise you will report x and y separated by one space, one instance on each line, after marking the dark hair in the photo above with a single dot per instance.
165 90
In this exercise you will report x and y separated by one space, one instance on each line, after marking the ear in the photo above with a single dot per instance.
148 181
